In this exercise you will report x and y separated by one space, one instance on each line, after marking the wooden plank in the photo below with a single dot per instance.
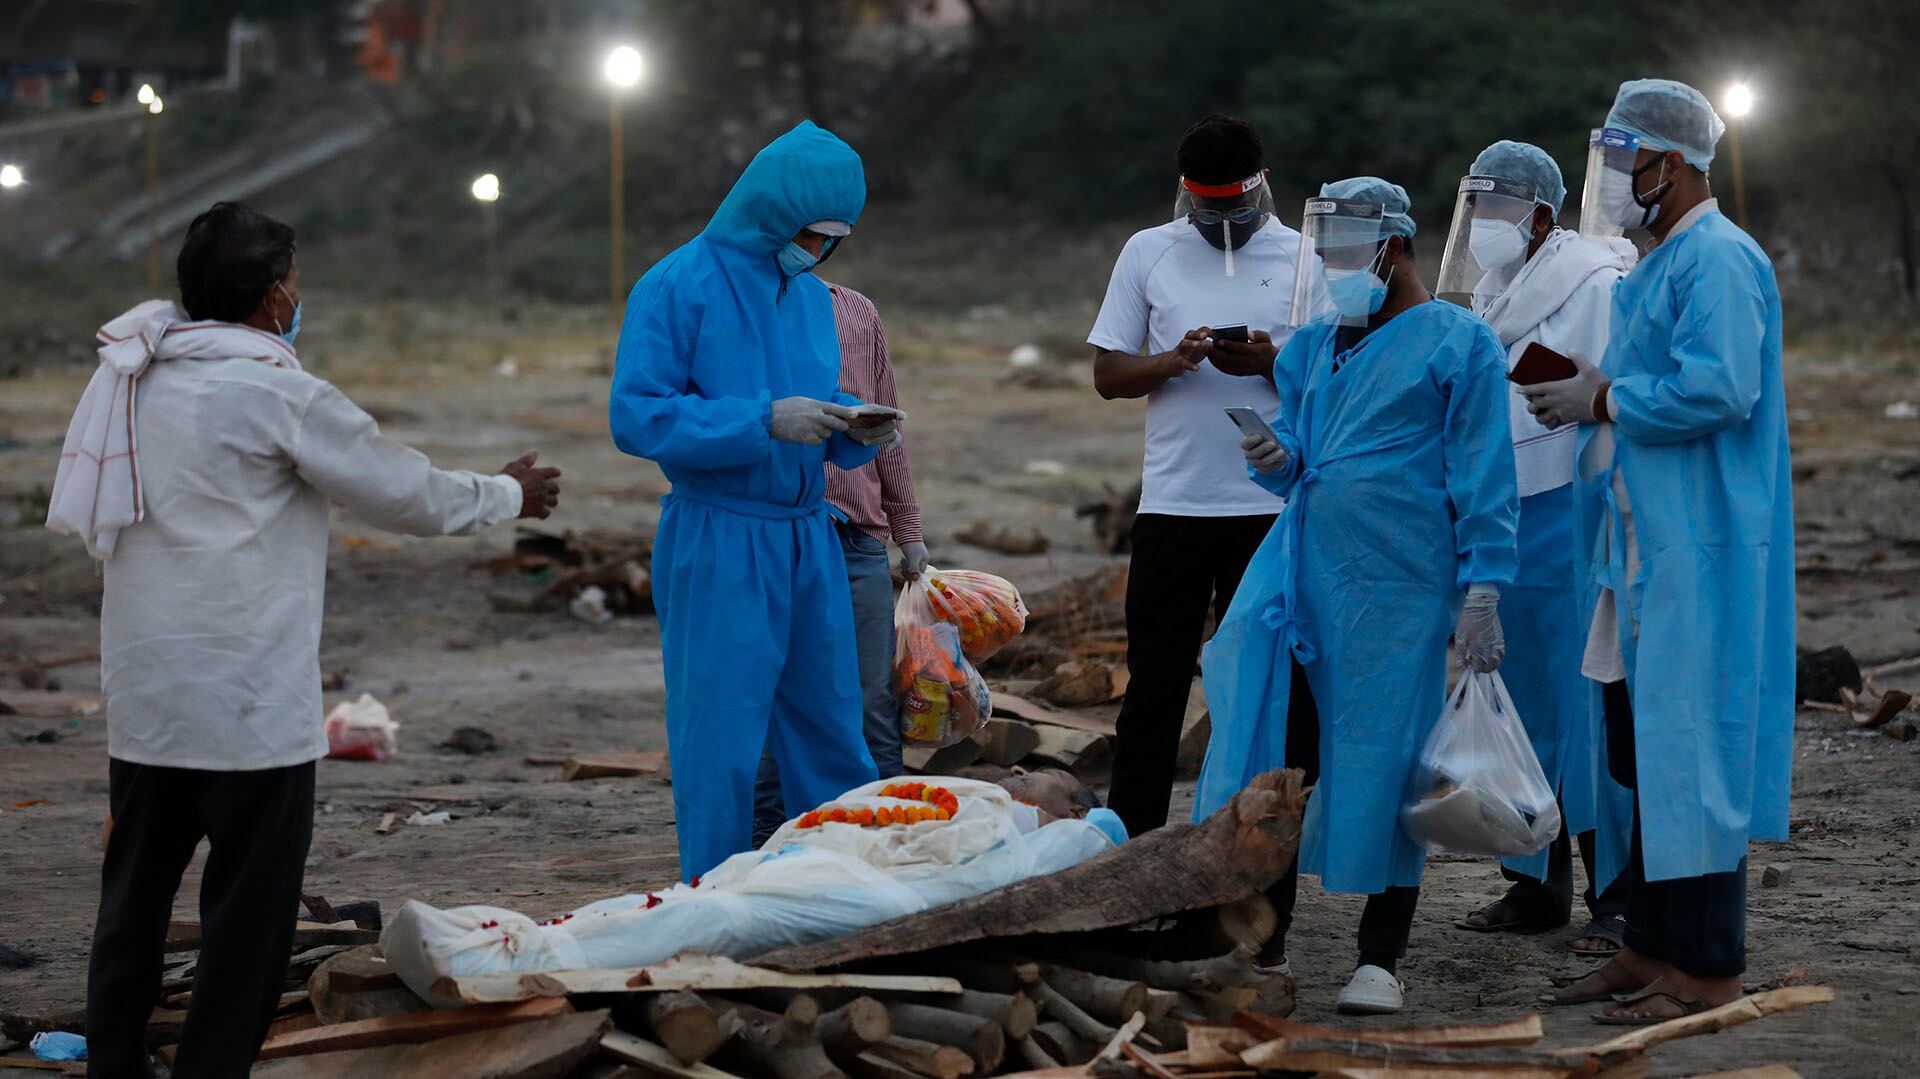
1008 704
543 1049
655 1059
1240 850
1765 1071
616 765
691 972
359 984
1339 1054
36 704
408 1029
184 936
944 760
1079 752
1525 1030
1733 1014
1007 742
1212 1046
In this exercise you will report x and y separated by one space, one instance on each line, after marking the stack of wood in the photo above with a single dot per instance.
1023 732
614 560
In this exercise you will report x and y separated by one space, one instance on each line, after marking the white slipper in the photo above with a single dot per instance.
1371 992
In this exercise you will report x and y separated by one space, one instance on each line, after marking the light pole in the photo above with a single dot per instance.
487 190
155 107
623 70
11 177
1738 103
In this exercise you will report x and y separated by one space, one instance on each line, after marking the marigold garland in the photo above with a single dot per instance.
941 805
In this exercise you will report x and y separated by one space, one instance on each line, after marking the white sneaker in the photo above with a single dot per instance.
1371 992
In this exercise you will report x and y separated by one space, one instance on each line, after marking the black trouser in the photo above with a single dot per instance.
1182 568
1699 924
1387 920
259 824
1550 901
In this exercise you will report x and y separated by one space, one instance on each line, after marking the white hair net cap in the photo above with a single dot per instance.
1668 115
1527 164
1397 217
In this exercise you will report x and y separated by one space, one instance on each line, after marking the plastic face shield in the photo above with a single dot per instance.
1608 186
1487 241
1228 214
1337 237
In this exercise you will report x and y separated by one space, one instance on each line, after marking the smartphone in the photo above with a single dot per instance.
1232 333
874 416
1250 423
1541 364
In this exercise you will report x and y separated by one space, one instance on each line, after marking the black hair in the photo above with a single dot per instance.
233 254
1220 149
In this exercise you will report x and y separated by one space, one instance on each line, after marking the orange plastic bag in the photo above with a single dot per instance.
985 609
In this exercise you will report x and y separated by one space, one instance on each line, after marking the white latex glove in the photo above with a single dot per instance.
879 435
1570 400
1263 453
913 559
807 421
1482 643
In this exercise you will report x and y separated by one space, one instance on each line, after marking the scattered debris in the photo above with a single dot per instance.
610 765
1820 676
15 959
385 827
335 681
1082 682
1112 518
430 820
590 606
1046 468
1025 355
1903 410
1003 540
472 741
507 368
1038 378
46 737
1776 875
614 561
361 730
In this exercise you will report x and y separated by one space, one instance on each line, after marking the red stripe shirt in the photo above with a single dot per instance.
878 497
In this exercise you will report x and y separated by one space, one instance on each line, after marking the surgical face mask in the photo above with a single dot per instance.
292 329
1495 243
1358 293
1625 205
796 260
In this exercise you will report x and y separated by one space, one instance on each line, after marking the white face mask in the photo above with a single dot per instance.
1622 209
1495 243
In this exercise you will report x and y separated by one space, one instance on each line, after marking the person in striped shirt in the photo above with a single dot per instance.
870 505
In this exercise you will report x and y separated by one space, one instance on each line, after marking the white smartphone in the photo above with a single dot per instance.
1250 423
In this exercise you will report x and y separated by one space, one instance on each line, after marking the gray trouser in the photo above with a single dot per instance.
871 580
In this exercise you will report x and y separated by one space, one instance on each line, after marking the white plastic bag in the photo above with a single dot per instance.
1477 788
361 731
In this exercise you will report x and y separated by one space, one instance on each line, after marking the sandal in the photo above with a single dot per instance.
1505 916
1611 928
1612 982
1631 1016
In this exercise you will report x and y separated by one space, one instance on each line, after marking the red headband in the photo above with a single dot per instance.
1222 191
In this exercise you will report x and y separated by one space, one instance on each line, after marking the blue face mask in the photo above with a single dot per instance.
293 329
1356 293
796 260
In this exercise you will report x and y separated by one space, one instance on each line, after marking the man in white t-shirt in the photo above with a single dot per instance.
1194 315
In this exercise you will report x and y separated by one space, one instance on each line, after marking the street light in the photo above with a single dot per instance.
1737 104
11 177
486 189
155 106
623 70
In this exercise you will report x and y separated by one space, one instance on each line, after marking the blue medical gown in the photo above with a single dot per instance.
1700 433
756 623
1400 493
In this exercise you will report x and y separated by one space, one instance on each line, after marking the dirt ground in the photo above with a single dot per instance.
413 626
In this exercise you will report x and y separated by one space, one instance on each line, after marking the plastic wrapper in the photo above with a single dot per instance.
944 623
985 609
361 731
1477 787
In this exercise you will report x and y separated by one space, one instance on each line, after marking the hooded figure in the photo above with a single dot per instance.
756 623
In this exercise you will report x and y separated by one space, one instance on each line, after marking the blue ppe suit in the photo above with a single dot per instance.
1700 436
756 623
1400 493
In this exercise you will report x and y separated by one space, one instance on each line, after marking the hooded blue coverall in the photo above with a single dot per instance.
756 623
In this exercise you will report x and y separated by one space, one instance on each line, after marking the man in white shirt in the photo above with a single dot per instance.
199 466
1226 261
